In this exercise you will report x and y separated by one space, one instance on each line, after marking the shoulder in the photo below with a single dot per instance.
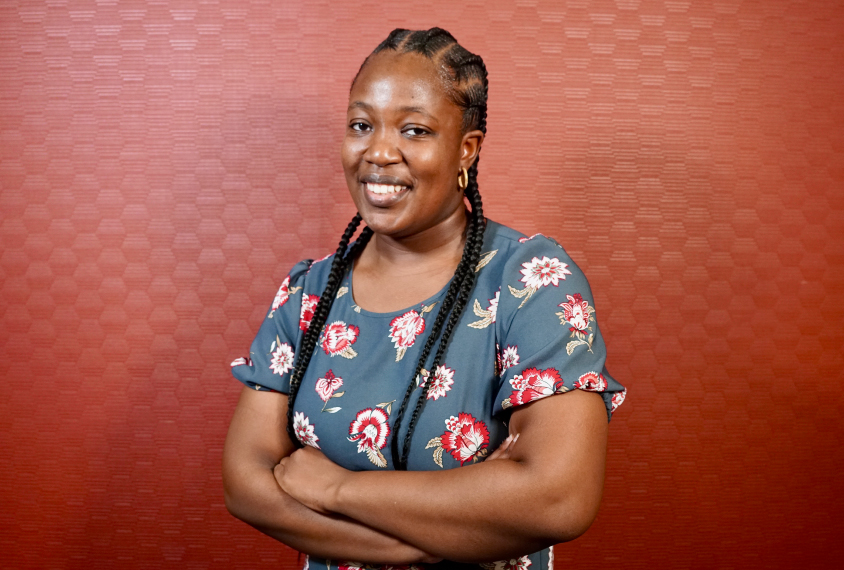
307 277
533 274
535 261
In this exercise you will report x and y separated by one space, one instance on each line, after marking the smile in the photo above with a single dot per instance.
384 188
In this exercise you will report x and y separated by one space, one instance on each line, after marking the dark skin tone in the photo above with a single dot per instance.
402 129
405 146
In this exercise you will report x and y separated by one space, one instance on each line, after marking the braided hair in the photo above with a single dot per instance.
465 78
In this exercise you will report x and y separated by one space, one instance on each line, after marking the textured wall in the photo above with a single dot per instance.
163 164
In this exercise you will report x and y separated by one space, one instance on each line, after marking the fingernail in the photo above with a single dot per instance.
517 437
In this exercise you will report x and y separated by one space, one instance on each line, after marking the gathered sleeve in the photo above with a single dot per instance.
271 357
549 340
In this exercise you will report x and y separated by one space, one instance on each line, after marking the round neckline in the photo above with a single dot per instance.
435 297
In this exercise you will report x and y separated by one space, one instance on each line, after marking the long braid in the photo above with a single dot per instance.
311 336
466 278
467 86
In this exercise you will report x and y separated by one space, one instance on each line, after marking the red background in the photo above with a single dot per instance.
163 164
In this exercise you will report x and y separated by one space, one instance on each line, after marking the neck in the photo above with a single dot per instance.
438 245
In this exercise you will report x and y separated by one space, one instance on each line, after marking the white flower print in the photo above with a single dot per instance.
241 362
304 430
487 316
282 360
442 382
508 358
538 273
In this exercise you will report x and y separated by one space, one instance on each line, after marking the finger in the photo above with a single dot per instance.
501 448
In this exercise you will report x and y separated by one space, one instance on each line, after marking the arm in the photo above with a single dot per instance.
257 440
546 491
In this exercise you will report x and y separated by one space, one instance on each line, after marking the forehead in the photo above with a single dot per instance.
391 78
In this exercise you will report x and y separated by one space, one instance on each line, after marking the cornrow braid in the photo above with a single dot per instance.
309 340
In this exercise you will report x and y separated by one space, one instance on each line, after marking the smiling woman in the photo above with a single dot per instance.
374 446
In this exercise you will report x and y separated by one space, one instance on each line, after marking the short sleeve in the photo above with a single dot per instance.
549 340
272 354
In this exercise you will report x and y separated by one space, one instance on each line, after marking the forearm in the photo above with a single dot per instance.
476 513
263 505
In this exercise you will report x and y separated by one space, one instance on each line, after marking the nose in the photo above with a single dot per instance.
382 149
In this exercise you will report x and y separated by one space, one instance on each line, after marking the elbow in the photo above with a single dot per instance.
234 501
571 518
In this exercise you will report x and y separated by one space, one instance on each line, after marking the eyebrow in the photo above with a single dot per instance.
407 109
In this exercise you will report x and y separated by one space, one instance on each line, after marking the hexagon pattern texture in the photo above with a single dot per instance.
164 163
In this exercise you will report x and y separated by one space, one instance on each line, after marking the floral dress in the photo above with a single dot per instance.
528 332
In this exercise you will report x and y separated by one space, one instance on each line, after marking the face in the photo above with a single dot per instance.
404 146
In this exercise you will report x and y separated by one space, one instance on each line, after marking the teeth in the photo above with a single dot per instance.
384 188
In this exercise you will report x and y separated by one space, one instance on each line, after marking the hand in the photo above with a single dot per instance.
310 477
504 450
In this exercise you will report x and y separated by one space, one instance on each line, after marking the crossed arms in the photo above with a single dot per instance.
541 490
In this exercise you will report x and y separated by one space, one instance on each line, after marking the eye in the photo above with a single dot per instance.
414 131
359 126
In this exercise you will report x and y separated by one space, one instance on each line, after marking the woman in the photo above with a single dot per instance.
394 383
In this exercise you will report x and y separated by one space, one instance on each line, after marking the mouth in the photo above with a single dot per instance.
384 191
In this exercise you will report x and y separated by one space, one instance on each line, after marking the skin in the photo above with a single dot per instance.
542 486
403 129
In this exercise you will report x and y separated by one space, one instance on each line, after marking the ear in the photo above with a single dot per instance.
470 147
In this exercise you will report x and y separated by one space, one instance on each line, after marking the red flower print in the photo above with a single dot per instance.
282 360
512 564
282 295
443 380
309 303
370 430
304 431
576 312
464 438
618 399
325 387
591 382
534 384
404 330
338 338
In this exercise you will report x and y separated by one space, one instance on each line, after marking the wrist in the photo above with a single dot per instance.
333 501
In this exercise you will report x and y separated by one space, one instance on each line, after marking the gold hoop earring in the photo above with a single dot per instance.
463 179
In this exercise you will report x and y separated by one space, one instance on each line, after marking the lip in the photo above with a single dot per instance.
384 200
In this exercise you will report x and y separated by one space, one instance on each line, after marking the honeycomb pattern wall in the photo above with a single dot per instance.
164 163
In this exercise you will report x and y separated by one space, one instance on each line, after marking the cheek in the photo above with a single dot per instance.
350 153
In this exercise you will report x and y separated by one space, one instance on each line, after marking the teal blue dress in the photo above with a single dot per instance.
528 332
